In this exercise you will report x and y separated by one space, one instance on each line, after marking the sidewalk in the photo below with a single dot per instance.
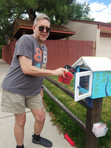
7 124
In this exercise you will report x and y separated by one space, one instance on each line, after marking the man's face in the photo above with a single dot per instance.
41 30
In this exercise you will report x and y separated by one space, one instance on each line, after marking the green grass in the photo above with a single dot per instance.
66 124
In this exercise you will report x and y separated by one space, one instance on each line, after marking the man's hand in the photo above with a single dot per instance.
60 72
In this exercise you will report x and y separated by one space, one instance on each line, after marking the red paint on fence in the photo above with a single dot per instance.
60 52
7 52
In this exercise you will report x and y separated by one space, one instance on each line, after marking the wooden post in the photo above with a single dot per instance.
93 116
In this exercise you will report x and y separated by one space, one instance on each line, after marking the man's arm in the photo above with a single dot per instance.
29 69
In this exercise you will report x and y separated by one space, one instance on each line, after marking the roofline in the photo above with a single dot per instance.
101 27
92 22
59 31
23 27
26 27
52 30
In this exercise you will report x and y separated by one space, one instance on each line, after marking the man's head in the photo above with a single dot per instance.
41 16
41 27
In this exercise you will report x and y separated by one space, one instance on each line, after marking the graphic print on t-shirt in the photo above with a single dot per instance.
38 58
38 55
44 60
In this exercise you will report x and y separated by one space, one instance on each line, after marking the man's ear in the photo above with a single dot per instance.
33 27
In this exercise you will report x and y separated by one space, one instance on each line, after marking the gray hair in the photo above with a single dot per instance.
41 16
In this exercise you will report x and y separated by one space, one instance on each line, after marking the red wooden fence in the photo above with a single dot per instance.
7 52
60 52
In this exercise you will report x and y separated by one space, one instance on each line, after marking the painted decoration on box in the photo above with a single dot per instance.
101 84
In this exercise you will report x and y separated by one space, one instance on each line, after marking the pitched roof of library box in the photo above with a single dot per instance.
94 63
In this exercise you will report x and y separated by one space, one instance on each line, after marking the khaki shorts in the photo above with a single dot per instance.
15 103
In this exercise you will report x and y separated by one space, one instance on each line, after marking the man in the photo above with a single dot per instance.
22 86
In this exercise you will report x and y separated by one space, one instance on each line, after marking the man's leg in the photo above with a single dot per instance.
39 116
20 120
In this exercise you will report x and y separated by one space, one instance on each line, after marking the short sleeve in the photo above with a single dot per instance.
24 46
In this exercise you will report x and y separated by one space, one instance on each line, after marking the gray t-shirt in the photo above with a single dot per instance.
16 81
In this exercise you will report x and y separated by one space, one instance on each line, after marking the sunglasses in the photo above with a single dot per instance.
41 28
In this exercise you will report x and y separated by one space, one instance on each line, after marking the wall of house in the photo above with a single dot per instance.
83 31
97 42
104 47
60 52
90 32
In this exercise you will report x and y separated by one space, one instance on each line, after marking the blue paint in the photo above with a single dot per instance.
89 102
106 87
101 86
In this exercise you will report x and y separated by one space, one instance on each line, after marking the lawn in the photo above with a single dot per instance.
66 124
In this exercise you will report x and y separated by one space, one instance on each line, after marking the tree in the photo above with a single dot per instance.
59 12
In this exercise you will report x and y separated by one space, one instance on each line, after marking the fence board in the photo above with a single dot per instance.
72 116
60 52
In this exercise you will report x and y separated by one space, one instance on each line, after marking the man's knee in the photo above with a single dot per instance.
40 117
20 119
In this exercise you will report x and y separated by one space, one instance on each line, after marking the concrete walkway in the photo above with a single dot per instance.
7 139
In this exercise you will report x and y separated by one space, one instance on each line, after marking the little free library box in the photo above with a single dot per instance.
92 77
